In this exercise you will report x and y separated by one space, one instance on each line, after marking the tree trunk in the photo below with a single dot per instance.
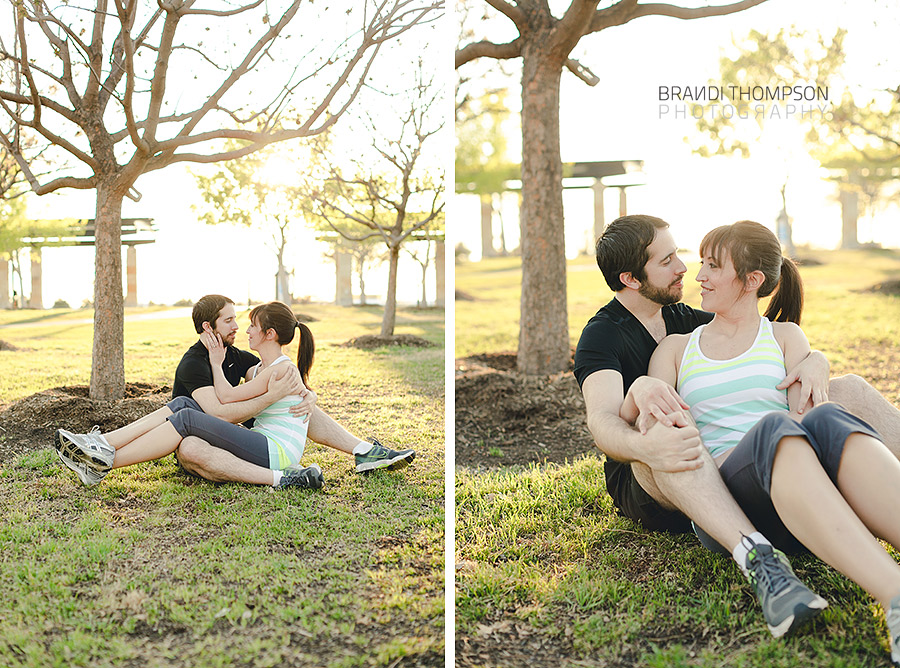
360 266
108 362
390 300
543 325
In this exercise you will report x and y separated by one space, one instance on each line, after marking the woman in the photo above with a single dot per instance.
275 442
824 482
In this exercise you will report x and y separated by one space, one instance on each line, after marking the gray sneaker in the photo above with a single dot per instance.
90 449
88 476
380 457
786 602
300 476
892 615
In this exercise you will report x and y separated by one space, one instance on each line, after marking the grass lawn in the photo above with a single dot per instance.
549 574
154 568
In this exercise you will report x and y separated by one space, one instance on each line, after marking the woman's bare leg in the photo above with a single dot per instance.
821 518
158 442
869 478
125 435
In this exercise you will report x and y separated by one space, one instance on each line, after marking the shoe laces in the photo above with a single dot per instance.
768 569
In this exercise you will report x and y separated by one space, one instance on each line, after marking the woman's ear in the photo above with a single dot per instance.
754 280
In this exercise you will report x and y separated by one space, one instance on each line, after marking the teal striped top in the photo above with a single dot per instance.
286 434
728 397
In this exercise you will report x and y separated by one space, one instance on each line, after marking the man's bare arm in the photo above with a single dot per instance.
662 448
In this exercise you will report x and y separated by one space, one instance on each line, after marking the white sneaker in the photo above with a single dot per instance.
88 476
90 449
892 615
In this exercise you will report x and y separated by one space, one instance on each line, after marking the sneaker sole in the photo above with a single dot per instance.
78 472
803 612
75 453
398 462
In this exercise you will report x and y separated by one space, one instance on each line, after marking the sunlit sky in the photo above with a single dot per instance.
189 258
620 119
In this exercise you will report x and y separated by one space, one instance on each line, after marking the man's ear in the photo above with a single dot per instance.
206 327
629 281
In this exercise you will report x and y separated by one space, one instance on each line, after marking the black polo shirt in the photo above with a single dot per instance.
194 372
615 339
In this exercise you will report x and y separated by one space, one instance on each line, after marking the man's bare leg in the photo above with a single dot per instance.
218 465
864 401
700 494
324 430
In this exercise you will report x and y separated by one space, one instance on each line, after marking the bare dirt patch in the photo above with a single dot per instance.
29 424
370 341
505 418
5 345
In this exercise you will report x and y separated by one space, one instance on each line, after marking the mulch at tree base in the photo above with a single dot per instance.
5 345
29 424
370 341
886 288
505 418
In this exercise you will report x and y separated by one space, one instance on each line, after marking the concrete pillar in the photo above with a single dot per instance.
487 227
4 284
849 217
623 208
37 298
131 273
343 264
439 269
599 218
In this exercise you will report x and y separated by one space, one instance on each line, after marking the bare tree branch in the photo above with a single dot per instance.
622 13
487 49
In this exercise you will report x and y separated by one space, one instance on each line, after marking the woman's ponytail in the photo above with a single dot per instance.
787 301
306 352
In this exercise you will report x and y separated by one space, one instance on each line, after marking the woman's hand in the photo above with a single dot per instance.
213 343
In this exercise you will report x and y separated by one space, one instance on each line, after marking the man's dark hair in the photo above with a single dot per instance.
207 309
623 247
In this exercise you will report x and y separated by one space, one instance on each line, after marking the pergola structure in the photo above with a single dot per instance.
574 176
343 265
135 231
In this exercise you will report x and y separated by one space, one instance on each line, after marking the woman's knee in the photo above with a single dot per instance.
822 414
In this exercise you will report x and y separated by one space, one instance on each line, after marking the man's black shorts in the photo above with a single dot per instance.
635 503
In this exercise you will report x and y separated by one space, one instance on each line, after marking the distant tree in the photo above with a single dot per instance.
544 40
243 192
800 57
98 85
396 198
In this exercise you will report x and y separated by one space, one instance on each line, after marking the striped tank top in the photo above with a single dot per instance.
285 433
728 397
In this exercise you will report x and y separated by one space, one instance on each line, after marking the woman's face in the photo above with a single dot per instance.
255 335
719 284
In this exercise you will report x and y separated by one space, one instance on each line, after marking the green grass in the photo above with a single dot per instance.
548 573
154 568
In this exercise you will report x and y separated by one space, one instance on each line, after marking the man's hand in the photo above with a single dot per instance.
284 381
812 374
305 407
656 400
673 449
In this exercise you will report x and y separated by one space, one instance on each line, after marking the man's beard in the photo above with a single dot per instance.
226 341
661 296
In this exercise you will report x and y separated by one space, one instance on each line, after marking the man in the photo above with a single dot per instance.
660 474
193 379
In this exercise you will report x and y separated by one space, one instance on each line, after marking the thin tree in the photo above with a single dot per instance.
395 199
94 80
544 43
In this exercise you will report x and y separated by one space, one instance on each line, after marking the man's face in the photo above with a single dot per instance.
226 324
664 271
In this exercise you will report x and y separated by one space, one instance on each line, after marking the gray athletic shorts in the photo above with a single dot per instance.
748 470
190 420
